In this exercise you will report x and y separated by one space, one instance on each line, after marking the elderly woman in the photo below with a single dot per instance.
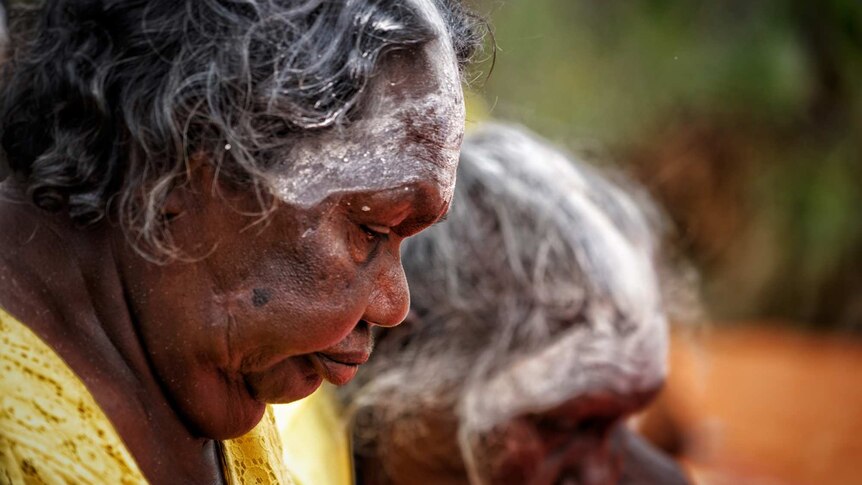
537 326
203 216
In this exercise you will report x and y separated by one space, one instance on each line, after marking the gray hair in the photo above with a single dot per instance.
543 273
105 101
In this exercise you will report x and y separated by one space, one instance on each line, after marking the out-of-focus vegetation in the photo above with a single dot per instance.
743 118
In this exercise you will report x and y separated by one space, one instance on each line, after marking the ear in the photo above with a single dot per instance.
185 196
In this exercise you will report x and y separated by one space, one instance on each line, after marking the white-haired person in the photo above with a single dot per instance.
537 327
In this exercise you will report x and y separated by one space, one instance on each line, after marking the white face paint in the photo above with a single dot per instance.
410 130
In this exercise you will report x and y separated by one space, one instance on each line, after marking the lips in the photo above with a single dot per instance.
298 376
338 369
339 363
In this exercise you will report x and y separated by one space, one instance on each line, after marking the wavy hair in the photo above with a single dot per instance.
104 101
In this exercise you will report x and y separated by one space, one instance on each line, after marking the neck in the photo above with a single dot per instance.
67 288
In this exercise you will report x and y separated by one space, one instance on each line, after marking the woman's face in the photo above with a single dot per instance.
269 310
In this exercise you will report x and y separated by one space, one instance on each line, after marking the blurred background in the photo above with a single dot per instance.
744 121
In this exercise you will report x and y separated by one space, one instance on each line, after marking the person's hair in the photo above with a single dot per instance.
537 247
104 101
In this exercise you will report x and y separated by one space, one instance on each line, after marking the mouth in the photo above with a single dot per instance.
339 364
338 370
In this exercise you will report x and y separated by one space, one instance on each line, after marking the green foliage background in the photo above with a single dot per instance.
744 119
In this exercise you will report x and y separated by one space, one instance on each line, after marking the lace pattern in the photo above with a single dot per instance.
52 431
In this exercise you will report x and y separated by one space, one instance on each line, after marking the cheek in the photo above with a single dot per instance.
302 297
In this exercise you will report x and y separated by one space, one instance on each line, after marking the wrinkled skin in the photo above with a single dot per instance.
183 354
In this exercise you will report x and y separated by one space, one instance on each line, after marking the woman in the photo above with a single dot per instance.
536 328
203 216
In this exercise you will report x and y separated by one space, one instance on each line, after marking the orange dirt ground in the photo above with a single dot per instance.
763 405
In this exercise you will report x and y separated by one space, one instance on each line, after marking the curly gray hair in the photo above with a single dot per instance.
104 101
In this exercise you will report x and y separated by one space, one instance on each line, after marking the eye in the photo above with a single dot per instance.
365 239
374 232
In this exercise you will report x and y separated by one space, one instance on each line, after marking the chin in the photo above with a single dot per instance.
229 413
228 409
289 380
245 418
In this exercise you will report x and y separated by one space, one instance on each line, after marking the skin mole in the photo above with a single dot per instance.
260 297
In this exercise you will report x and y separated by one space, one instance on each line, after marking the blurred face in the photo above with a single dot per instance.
582 441
270 310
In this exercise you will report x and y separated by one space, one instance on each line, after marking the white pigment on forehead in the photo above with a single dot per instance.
377 152
429 12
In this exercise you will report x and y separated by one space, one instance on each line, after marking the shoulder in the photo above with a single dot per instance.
51 429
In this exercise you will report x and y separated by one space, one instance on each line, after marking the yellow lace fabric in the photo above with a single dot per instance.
317 451
53 432
255 458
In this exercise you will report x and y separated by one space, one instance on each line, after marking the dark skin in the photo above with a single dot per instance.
182 355
582 441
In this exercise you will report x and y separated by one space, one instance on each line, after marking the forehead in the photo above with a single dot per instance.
409 131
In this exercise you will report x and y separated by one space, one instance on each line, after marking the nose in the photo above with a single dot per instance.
390 298
575 440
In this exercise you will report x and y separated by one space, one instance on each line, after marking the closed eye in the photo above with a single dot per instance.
374 231
377 229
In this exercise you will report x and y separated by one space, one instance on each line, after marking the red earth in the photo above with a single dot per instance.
762 405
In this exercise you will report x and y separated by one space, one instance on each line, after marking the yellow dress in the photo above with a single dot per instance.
316 442
53 432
